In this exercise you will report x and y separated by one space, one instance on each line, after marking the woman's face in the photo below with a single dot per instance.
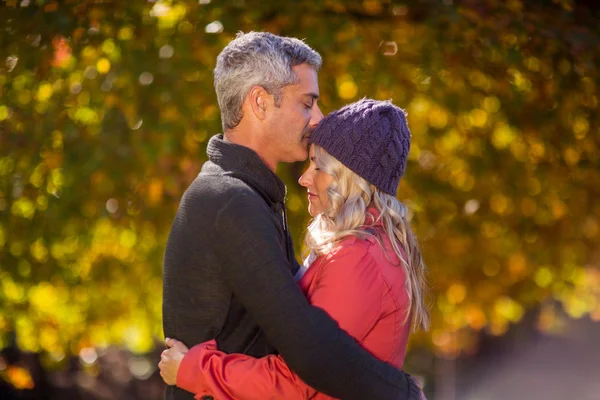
316 182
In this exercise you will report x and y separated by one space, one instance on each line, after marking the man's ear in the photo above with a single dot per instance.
260 101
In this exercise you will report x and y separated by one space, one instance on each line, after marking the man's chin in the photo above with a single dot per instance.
299 155
302 155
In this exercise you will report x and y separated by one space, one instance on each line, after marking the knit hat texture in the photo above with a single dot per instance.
371 138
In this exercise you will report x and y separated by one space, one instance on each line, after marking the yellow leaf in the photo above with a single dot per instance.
502 136
347 89
456 293
509 309
103 65
44 92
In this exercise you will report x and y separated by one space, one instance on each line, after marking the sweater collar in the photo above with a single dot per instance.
243 163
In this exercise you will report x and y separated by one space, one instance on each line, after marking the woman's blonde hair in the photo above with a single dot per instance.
349 197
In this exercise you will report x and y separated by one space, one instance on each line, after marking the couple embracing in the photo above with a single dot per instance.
243 320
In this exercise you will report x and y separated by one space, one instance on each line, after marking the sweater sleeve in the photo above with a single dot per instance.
255 266
349 289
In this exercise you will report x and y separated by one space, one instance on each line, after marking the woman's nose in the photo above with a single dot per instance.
304 180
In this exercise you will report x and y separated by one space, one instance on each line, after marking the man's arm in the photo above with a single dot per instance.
310 342
350 289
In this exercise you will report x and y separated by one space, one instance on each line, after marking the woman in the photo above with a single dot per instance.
364 267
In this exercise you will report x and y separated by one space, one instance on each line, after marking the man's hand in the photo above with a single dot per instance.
170 360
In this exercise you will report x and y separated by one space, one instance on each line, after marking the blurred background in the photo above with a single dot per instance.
106 108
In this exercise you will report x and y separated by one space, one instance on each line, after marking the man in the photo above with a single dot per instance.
229 262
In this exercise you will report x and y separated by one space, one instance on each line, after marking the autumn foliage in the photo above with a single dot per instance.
106 109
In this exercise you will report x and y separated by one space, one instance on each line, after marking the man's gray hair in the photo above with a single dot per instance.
257 59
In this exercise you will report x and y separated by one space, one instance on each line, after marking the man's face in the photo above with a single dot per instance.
291 124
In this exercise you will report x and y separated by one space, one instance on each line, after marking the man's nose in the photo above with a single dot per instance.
316 116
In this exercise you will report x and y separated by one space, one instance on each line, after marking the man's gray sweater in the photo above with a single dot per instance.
228 274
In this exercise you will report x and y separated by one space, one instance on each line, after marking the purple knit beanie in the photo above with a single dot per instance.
371 138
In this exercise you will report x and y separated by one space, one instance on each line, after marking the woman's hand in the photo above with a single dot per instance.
170 360
420 386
